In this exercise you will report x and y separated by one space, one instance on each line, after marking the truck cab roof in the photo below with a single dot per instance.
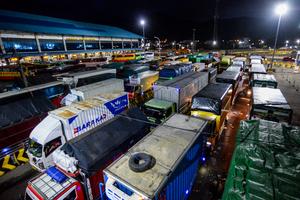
47 187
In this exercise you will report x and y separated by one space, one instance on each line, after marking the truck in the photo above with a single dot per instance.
68 122
174 95
78 170
131 69
111 85
172 71
257 69
240 61
213 103
212 74
140 85
270 104
231 77
226 61
163 165
264 80
265 162
87 77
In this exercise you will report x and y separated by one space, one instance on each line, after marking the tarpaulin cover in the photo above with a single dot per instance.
17 111
228 77
94 147
210 98
175 70
269 97
265 163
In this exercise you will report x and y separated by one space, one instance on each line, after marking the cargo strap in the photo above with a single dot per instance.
21 156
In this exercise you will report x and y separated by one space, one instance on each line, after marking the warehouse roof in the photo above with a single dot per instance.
18 21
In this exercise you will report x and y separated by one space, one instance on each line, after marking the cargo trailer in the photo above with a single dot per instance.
172 71
213 103
163 165
270 104
178 92
79 164
82 93
264 80
231 77
212 74
257 69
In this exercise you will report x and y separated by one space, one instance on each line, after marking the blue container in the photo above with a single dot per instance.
56 175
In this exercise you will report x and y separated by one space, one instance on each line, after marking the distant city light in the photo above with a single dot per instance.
298 41
214 42
192 43
262 41
281 9
287 42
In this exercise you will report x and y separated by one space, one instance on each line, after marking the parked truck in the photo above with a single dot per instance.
270 104
172 71
163 165
77 173
231 77
264 80
111 85
140 85
213 103
68 122
174 96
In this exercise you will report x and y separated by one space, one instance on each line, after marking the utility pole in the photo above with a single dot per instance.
193 45
216 17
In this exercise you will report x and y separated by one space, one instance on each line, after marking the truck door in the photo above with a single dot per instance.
49 148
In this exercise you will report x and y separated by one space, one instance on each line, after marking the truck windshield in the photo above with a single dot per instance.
35 148
155 113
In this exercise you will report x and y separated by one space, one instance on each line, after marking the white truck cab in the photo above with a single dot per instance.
70 121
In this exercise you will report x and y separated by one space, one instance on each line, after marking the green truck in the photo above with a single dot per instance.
174 96
265 163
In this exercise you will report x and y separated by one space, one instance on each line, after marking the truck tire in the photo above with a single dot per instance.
141 162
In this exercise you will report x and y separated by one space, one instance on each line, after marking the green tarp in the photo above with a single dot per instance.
265 163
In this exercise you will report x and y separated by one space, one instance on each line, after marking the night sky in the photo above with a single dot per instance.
174 19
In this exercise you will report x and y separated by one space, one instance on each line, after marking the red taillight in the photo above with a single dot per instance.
131 95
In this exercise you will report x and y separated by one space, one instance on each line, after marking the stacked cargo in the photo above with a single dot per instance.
265 163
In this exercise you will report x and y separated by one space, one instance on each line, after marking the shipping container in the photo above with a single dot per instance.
163 165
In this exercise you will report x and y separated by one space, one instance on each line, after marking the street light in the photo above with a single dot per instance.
298 41
142 22
214 43
280 10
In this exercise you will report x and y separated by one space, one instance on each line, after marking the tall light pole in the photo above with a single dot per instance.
142 22
158 45
280 10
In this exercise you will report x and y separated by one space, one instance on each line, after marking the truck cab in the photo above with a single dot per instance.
41 146
158 111
55 185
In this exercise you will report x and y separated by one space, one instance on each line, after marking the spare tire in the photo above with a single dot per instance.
140 162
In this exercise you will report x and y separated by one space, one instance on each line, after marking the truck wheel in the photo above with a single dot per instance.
141 162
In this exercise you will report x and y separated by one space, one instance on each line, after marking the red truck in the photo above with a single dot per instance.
79 164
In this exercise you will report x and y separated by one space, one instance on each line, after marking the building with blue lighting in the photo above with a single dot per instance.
34 35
